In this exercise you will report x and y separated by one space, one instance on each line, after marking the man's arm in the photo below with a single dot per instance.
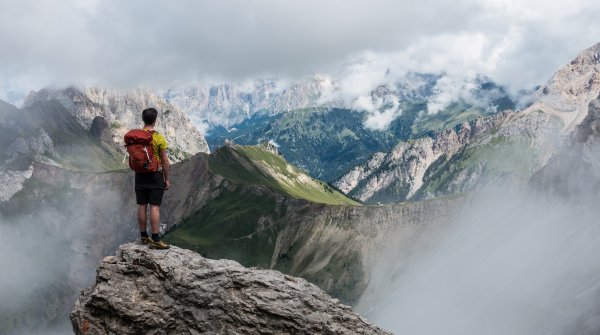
166 166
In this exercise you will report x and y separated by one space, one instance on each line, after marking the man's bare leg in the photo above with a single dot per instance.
156 243
154 218
142 218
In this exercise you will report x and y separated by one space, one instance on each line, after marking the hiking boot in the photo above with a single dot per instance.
145 240
158 244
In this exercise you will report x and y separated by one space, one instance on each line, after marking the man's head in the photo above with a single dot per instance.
149 116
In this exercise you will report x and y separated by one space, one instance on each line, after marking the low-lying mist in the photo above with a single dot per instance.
511 262
53 238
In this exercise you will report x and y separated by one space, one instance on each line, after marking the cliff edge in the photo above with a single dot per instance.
177 291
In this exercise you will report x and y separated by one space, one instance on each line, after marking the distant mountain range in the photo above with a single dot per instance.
316 125
506 148
229 104
328 141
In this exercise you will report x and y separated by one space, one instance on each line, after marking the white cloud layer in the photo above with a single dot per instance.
130 43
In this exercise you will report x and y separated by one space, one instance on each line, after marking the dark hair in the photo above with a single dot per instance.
149 115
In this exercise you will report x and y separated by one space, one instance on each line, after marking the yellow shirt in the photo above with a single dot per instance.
158 145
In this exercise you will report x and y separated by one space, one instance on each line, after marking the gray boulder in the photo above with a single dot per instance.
177 291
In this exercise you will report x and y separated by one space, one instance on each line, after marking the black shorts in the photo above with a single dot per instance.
149 188
152 196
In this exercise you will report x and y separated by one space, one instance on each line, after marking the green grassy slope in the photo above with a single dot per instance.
259 200
226 228
256 166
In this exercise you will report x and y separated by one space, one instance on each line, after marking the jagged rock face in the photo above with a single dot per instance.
569 91
573 171
350 180
506 147
177 291
580 78
122 111
228 104
399 174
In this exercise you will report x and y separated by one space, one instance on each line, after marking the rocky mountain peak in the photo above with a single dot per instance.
573 169
460 159
121 111
177 291
590 56
569 91
580 76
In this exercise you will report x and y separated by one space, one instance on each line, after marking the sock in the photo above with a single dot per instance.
155 237
144 234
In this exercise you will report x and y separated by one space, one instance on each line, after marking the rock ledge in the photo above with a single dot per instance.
177 291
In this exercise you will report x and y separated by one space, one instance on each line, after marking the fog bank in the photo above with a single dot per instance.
510 263
54 237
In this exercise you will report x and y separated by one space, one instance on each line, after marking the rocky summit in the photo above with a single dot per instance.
177 291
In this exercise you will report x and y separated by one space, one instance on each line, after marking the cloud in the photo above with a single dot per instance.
510 263
138 42
381 111
202 126
449 89
380 120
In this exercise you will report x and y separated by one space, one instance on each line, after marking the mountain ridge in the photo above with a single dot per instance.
527 138
226 104
120 110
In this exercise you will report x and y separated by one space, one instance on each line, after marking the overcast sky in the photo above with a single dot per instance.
131 43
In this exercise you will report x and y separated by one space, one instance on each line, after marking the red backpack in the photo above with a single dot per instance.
141 156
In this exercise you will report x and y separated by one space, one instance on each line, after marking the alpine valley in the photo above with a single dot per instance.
326 133
299 177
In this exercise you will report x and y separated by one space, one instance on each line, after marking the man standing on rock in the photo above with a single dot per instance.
148 158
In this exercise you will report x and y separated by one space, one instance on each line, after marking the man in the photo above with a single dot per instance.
150 186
